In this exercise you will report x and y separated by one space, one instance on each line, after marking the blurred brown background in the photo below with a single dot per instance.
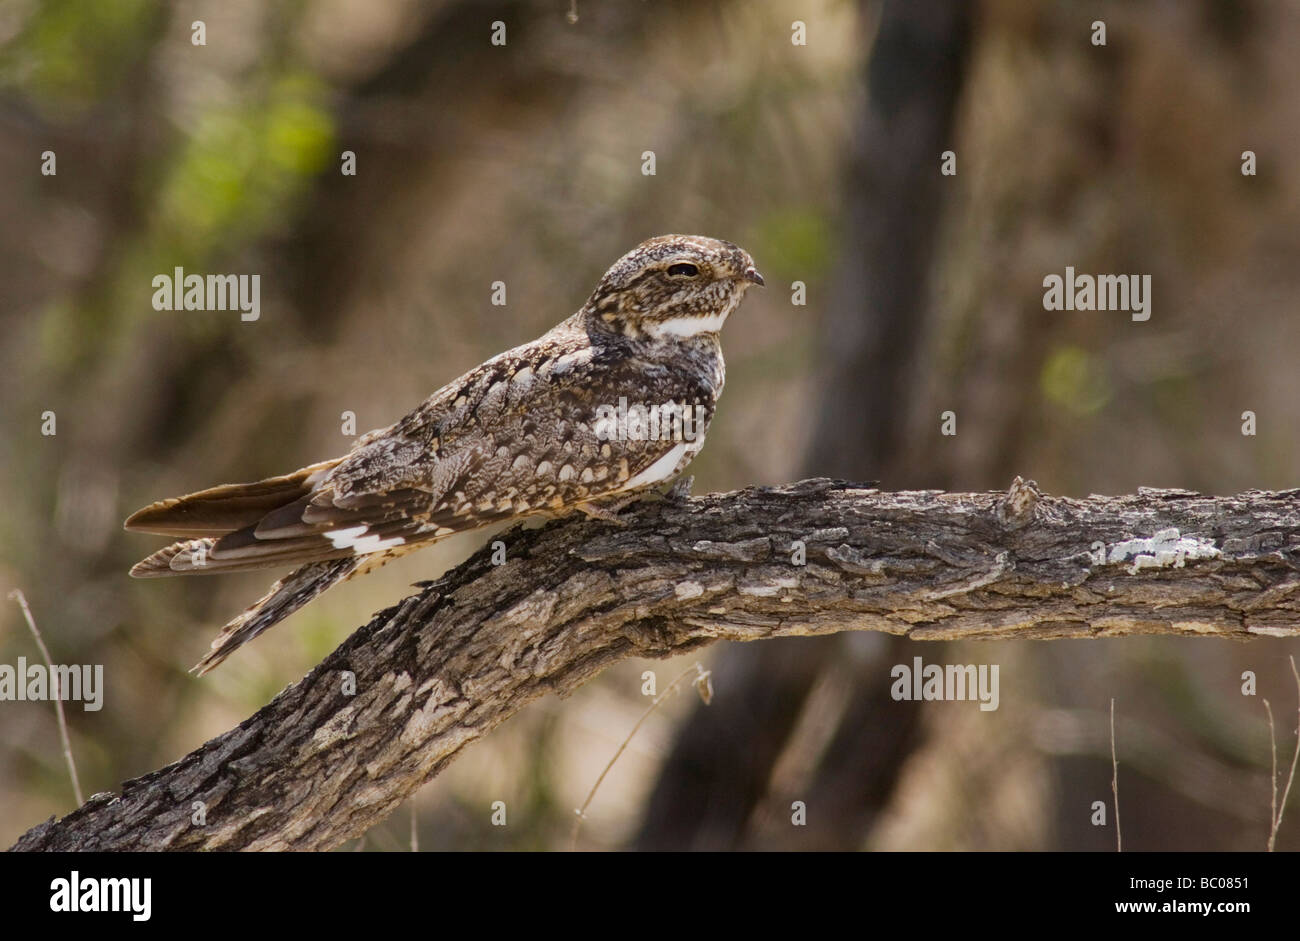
522 163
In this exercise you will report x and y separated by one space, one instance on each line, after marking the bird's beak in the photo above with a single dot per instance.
751 274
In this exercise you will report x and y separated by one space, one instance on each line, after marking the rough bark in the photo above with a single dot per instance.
450 663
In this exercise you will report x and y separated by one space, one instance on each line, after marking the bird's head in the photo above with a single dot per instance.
672 286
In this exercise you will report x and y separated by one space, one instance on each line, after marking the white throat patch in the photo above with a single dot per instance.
687 326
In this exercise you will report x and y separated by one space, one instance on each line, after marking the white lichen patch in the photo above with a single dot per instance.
768 588
1166 549
688 590
1270 631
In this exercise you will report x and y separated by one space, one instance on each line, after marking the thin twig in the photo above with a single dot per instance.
1272 778
17 595
1280 809
415 835
706 693
1286 792
1114 780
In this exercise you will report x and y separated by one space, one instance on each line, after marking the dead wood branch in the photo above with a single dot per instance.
447 665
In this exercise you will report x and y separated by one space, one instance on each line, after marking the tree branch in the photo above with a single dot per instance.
321 764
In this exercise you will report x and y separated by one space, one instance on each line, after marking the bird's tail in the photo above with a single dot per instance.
285 597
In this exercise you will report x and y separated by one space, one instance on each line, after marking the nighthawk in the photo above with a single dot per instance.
514 437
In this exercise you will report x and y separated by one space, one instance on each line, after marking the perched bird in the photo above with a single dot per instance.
537 429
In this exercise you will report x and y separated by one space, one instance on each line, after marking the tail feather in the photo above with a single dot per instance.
204 557
224 509
182 553
221 530
285 597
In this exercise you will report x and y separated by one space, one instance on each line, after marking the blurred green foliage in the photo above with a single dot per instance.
1075 380
237 174
71 54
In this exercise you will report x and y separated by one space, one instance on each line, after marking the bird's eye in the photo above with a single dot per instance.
683 269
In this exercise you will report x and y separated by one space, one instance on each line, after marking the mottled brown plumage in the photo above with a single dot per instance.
526 432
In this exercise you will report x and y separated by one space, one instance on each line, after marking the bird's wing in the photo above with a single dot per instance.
515 436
